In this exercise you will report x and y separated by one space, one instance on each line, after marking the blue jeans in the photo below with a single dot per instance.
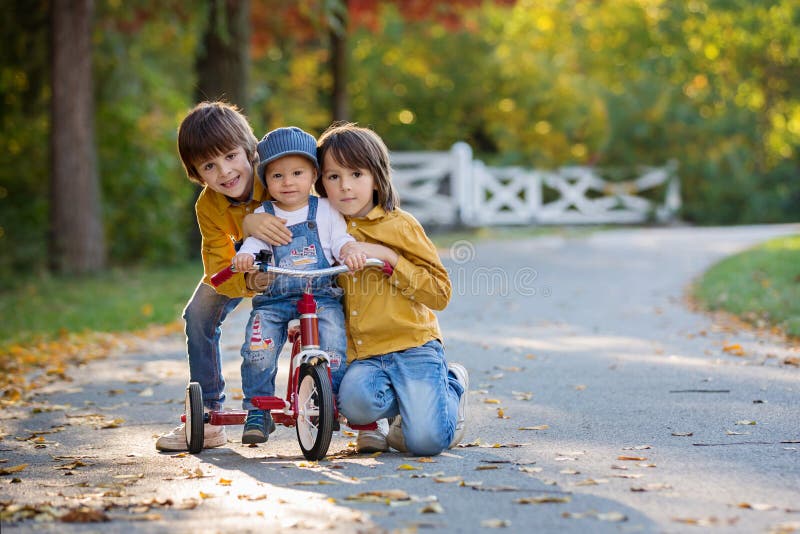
204 315
414 383
266 334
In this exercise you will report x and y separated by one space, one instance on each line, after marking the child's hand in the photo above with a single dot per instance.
267 228
243 262
354 256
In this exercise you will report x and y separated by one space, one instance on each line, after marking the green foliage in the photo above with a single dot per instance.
762 284
713 84
39 308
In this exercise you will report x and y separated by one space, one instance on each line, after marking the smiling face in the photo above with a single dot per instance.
230 173
350 191
289 180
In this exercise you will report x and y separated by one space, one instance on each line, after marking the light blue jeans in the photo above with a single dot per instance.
267 333
414 383
204 315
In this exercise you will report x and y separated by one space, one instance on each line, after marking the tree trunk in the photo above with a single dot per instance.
222 66
340 100
224 55
76 228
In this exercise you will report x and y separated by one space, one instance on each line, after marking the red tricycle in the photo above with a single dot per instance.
309 405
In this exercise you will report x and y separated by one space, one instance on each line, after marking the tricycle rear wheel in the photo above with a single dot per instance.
314 411
194 417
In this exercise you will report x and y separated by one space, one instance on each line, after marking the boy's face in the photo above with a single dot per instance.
289 180
231 174
349 190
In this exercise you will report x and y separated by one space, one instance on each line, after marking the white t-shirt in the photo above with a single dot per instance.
331 227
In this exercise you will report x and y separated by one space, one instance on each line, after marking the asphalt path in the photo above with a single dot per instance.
600 402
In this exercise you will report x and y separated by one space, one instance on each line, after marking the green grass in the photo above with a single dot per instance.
120 300
761 285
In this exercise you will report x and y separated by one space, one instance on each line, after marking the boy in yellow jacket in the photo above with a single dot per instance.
218 150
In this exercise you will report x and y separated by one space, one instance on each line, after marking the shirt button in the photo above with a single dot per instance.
358 342
353 224
411 297
354 312
355 279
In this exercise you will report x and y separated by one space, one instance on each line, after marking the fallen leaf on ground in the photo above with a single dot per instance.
522 395
501 414
761 507
637 448
432 508
407 467
543 499
380 496
245 497
224 482
491 401
204 495
486 467
733 348
651 487
592 482
537 427
84 515
580 387
683 434
631 458
447 480
745 422
530 469
13 469
495 523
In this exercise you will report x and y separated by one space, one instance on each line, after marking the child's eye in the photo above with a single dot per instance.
208 166
357 174
333 176
277 176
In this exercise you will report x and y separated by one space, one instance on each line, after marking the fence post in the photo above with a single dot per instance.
461 182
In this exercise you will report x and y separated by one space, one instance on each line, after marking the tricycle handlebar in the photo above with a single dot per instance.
228 272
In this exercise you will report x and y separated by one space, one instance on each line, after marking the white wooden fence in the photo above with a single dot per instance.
449 188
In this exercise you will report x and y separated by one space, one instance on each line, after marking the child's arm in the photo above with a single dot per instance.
418 271
217 250
267 227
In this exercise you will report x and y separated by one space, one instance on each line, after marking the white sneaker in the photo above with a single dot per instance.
373 440
395 437
461 374
175 440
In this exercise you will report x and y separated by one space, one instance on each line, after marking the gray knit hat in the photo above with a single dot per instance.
284 142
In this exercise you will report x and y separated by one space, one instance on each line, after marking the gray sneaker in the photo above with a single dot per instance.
461 374
175 440
395 437
373 440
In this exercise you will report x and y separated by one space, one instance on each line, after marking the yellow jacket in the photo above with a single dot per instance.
390 314
220 222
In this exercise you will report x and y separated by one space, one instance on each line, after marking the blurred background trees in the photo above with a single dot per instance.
714 84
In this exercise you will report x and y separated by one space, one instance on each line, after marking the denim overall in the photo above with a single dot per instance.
277 305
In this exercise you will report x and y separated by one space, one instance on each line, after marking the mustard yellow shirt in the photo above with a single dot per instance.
389 314
220 222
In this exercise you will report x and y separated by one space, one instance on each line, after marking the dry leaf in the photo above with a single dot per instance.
84 515
244 497
495 523
407 467
380 496
745 422
522 395
432 508
501 414
637 448
592 482
224 482
683 434
631 458
538 427
447 480
757 506
530 469
651 487
612 516
734 348
426 460
486 467
543 499
491 401
580 387
13 469
204 495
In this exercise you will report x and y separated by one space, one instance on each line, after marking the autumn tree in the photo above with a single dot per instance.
76 229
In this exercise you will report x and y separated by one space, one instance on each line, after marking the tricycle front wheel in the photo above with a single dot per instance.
314 411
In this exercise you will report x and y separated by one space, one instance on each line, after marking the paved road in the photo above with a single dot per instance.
633 415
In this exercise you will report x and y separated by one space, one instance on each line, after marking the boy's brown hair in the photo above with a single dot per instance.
356 147
211 129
